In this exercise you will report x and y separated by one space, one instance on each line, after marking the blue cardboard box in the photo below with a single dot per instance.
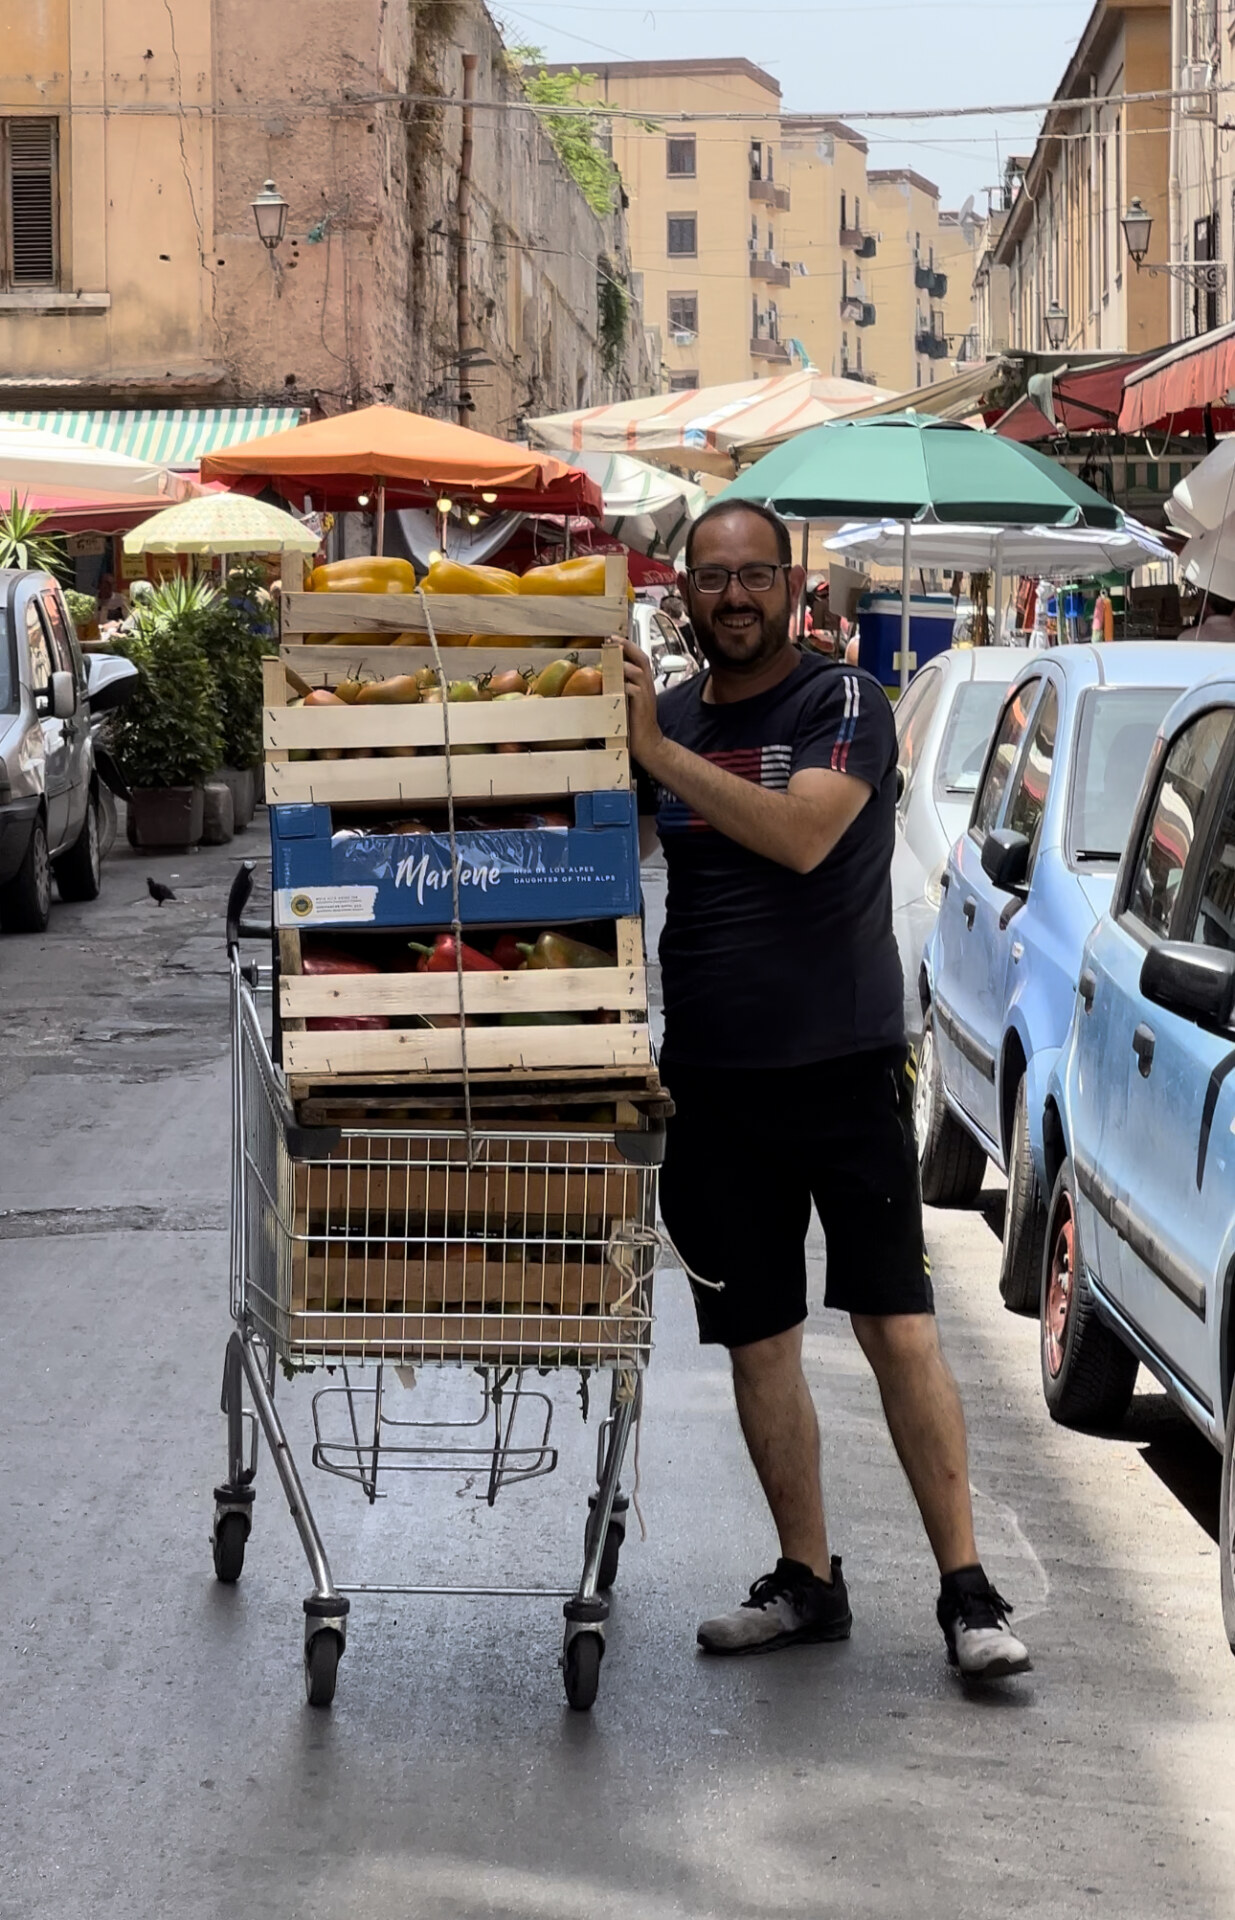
513 876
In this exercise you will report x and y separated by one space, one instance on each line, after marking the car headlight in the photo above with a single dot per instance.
933 891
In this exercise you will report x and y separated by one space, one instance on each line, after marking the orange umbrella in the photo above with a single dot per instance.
401 460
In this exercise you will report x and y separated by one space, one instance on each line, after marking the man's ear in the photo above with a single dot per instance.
797 580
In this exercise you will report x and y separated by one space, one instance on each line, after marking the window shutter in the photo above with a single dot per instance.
32 201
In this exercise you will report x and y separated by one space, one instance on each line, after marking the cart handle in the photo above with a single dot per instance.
238 928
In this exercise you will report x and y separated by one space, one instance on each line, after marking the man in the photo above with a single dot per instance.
775 779
672 605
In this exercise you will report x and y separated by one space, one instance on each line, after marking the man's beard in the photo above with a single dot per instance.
747 650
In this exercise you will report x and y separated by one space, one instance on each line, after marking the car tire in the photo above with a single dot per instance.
79 872
1226 1526
1087 1372
25 900
1024 1225
951 1163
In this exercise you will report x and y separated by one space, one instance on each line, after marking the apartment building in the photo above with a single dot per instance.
829 244
1062 243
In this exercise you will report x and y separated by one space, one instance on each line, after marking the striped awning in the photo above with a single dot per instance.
177 437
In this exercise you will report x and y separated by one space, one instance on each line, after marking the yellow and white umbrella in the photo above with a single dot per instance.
222 523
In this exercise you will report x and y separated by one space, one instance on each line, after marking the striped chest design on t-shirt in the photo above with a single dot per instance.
764 766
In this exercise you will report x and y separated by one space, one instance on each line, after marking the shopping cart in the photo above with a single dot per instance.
512 1251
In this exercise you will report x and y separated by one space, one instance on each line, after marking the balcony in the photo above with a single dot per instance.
851 310
765 267
859 373
929 280
855 238
933 345
763 348
770 194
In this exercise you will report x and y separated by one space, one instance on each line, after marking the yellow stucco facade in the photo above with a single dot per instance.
829 239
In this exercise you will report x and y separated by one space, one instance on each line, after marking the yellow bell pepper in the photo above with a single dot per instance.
452 576
364 574
584 575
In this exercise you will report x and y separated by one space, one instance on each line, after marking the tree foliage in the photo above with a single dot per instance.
576 136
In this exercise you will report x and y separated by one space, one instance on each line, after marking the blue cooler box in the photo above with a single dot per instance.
931 619
512 876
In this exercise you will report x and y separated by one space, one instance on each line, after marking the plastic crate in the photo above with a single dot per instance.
326 874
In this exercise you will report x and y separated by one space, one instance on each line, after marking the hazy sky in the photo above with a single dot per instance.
834 58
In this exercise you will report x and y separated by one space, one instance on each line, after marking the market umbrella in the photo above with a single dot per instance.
222 523
1205 498
33 459
970 549
647 508
401 459
912 467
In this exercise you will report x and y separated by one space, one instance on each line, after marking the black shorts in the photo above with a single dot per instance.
747 1153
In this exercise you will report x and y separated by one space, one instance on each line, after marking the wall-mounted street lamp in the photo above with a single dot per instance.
1056 322
270 213
1208 275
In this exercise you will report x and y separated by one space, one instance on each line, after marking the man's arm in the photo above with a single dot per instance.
798 829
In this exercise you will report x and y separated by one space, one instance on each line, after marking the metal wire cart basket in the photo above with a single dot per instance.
505 1252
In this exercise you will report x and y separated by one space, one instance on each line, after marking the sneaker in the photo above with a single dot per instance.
974 1619
787 1608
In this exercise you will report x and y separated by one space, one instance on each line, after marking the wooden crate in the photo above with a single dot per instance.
410 1188
553 620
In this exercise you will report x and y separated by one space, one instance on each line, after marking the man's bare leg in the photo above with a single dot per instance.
927 1424
782 1436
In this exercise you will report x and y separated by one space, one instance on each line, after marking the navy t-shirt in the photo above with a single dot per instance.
764 967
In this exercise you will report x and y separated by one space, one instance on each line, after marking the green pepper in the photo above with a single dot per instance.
559 950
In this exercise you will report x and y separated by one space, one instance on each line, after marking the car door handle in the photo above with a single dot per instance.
970 910
1143 1044
1087 986
945 881
1018 951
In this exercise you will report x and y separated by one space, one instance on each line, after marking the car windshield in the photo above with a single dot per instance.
1115 733
968 732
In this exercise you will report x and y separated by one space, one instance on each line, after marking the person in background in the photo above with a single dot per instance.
672 605
112 603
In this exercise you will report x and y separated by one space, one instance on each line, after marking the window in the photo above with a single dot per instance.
39 648
913 717
682 241
1115 732
857 213
844 213
28 250
1027 802
65 649
963 747
680 156
685 380
1007 745
1168 838
683 313
756 159
1213 924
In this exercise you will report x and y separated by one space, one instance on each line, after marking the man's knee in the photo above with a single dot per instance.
768 1359
894 1340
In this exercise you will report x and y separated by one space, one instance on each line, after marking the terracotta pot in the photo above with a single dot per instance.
165 816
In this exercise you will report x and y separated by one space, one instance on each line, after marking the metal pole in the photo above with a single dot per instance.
994 639
802 597
379 529
905 585
463 224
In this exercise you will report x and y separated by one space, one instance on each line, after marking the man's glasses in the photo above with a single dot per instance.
757 576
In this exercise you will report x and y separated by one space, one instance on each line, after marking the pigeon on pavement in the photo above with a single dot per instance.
158 891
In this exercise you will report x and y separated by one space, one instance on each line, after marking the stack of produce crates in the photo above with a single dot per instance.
548 1064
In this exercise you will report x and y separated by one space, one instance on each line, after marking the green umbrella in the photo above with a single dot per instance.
915 467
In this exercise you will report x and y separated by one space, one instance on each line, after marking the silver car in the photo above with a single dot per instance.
673 653
943 722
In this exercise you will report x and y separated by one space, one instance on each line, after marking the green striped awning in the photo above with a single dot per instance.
177 437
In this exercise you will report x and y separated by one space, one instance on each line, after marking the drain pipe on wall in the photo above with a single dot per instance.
1179 28
463 277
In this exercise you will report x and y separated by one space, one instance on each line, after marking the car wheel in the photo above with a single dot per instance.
25 900
1087 1372
1226 1526
1024 1225
951 1163
79 872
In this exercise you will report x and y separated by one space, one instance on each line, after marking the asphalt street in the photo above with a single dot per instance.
159 1762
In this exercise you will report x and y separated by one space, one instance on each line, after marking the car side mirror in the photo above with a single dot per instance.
110 681
1005 859
672 663
62 704
900 785
1196 982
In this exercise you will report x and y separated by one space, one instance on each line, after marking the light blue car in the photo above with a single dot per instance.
1022 889
1140 1120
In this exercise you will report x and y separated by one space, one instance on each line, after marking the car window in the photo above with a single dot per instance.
1171 829
8 678
962 750
65 650
1211 920
913 719
1116 728
1012 724
1027 797
38 645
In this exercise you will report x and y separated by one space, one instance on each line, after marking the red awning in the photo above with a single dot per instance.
81 511
1082 400
1169 393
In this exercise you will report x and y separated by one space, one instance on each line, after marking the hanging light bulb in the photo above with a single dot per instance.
444 505
473 518
435 556
362 499
488 498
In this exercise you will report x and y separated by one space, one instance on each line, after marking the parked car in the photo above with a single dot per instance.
49 793
943 723
673 654
1022 889
1140 1123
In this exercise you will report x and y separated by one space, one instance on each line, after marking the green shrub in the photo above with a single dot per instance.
169 734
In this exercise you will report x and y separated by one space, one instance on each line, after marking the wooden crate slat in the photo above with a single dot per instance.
475 776
326 666
368 1199
557 990
507 1050
463 1338
553 619
598 716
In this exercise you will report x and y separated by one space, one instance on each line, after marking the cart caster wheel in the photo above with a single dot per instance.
321 1667
609 1558
231 1531
581 1670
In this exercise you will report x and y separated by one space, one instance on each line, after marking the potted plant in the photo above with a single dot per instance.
234 635
168 739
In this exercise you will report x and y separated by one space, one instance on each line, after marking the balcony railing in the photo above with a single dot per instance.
770 193
933 345
859 373
764 348
928 279
766 267
851 310
855 238
867 316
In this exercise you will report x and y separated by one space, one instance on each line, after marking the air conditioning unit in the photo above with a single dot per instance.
1195 82
683 337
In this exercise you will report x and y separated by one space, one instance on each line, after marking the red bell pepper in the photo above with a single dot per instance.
440 957
508 954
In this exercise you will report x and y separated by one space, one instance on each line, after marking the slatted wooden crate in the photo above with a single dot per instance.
550 620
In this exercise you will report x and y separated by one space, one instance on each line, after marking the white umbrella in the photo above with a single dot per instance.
1205 497
32 457
1208 560
647 508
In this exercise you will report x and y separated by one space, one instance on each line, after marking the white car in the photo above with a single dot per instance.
943 722
673 655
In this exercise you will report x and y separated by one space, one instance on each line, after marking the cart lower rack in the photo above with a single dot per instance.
510 1252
